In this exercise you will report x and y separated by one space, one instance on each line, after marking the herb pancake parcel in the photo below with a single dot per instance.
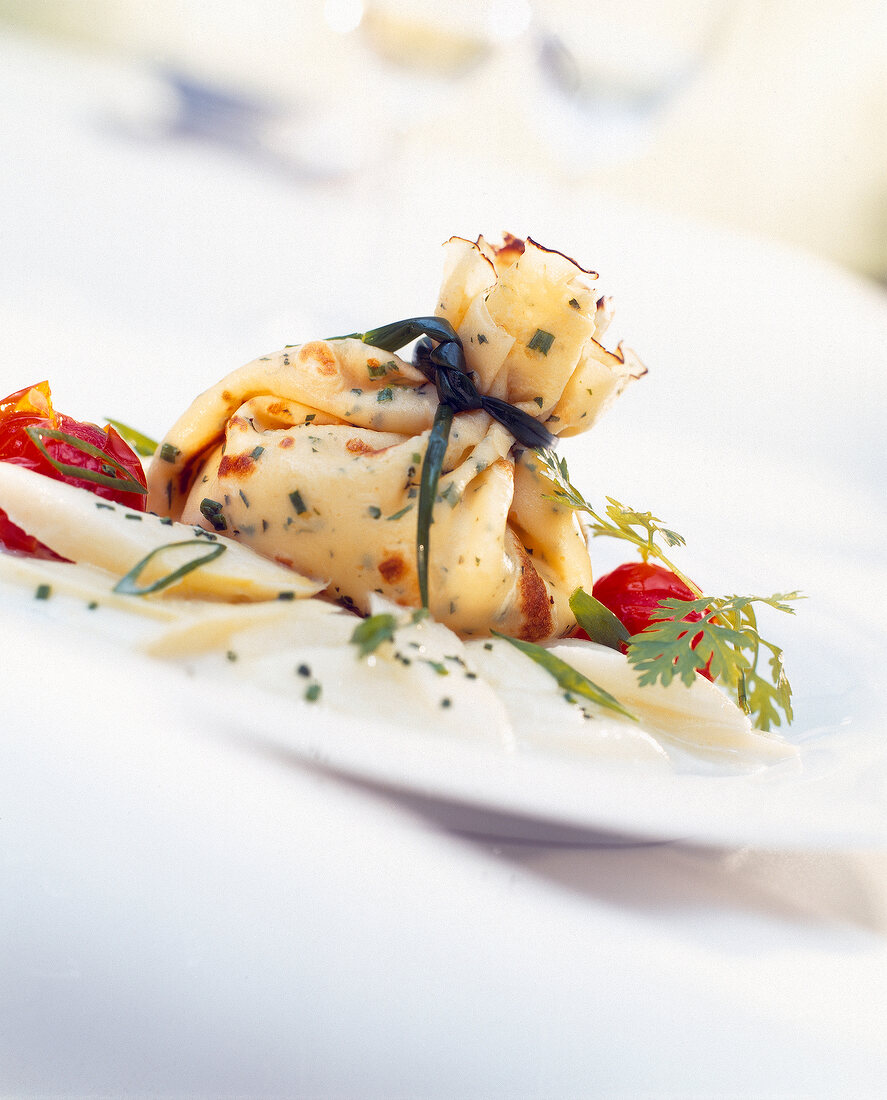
313 455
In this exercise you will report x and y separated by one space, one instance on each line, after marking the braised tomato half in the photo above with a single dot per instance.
633 591
103 453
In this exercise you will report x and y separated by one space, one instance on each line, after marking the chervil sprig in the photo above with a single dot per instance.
726 634
638 528
685 635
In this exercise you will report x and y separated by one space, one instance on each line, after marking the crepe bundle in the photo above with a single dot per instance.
312 455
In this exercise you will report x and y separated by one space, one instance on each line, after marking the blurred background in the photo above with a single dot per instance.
760 115
186 183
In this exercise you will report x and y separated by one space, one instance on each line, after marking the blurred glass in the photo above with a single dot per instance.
615 68
443 40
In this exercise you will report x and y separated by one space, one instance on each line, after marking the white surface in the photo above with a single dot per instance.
182 914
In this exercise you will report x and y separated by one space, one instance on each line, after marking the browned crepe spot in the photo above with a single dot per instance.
535 603
359 447
323 358
393 568
236 466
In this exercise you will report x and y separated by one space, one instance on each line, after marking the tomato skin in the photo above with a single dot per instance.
32 406
633 592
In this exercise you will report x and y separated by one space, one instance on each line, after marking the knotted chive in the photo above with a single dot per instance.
570 679
127 585
444 365
119 478
394 336
431 468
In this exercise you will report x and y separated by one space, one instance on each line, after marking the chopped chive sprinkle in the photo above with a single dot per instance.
256 451
572 302
297 502
312 692
212 510
369 634
231 655
374 511
481 339
385 395
244 498
166 521
538 401
304 670
401 513
169 453
286 595
451 495
541 341
108 507
43 592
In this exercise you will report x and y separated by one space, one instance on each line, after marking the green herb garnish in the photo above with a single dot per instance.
638 528
541 341
598 622
727 635
212 511
142 444
169 453
127 585
113 474
297 502
401 513
370 633
570 679
727 628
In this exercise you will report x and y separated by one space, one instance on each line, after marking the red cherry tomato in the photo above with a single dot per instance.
32 406
633 592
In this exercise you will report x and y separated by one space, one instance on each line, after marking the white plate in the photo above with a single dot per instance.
767 500
757 434
837 799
